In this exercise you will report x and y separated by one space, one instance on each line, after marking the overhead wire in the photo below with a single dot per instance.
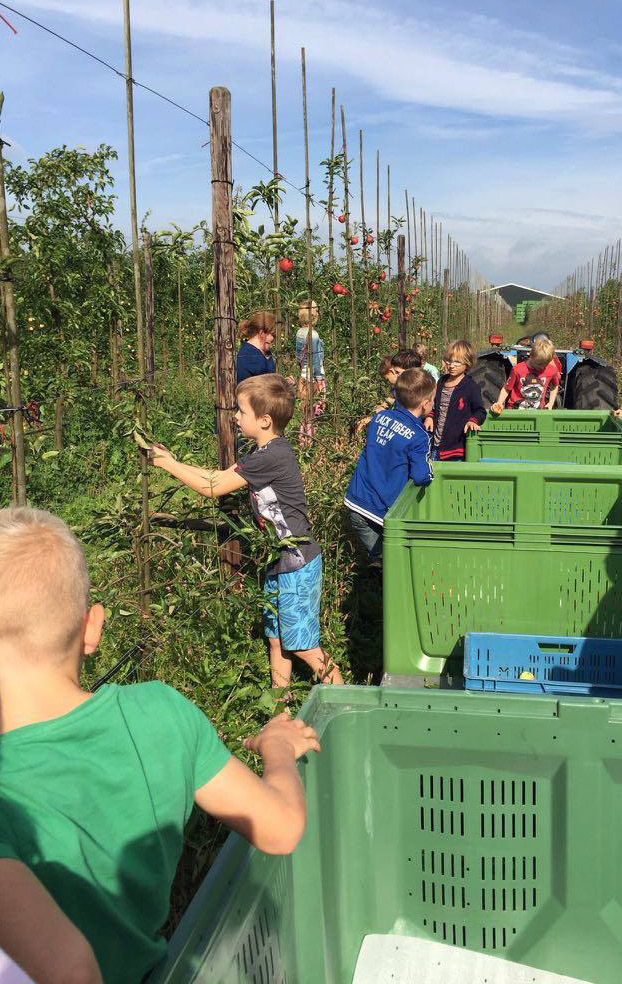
154 92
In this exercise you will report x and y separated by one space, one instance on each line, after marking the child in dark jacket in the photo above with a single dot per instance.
458 406
397 449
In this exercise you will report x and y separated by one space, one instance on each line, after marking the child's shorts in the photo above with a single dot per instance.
293 610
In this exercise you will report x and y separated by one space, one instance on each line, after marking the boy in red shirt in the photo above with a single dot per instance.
532 384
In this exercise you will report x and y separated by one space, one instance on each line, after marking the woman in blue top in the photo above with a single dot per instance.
254 356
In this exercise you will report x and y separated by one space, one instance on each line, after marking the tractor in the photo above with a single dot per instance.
587 382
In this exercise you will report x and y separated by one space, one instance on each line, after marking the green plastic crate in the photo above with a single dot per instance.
496 493
583 437
482 821
527 549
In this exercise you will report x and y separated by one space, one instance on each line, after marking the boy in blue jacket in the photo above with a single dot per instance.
397 449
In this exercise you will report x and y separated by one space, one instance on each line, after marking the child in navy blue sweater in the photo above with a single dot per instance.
397 449
458 406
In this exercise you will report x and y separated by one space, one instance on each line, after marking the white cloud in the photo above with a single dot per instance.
462 67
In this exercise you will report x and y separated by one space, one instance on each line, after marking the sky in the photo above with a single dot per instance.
504 120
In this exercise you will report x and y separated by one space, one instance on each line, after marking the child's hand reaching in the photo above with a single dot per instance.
428 423
159 456
299 736
496 408
471 426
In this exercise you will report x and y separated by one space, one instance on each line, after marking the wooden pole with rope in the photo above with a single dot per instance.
11 343
144 546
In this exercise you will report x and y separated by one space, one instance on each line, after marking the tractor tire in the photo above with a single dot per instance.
593 387
489 372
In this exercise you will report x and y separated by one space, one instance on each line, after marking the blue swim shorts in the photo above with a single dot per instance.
292 612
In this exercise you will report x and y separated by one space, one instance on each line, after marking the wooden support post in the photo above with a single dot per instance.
416 246
619 322
275 170
145 567
115 328
224 272
12 344
308 250
445 308
331 192
346 195
408 230
401 291
364 238
378 209
58 423
149 312
389 244
181 360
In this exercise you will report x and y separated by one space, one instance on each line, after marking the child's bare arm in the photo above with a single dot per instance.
552 397
209 482
270 812
37 935
501 400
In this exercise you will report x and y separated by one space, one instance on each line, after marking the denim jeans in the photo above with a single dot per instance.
368 532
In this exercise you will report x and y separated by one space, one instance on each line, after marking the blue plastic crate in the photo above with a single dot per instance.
560 664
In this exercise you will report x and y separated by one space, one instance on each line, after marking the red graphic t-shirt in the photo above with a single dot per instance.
527 388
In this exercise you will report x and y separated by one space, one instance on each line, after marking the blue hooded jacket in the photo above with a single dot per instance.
397 448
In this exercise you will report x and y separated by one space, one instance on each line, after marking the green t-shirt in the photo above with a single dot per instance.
95 803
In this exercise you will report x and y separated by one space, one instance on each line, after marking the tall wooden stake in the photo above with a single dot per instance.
445 308
378 208
275 168
12 343
149 311
408 228
224 271
145 593
415 231
308 244
346 195
389 220
331 240
331 187
364 238
401 292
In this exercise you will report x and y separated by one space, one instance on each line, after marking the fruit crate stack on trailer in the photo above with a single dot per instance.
585 437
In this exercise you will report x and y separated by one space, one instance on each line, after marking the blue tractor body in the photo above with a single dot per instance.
587 382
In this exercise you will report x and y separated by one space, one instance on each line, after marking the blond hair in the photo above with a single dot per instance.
258 321
303 312
421 349
462 351
542 352
269 394
413 386
44 583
